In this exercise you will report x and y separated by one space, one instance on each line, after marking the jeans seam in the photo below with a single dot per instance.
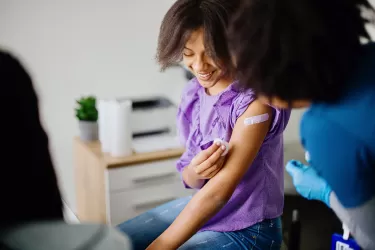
256 237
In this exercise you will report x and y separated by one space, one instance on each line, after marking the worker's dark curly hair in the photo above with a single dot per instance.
186 16
297 49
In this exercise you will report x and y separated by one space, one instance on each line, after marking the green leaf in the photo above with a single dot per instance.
86 110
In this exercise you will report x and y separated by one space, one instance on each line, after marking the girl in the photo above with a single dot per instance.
240 198
313 58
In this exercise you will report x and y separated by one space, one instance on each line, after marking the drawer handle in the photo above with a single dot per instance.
154 178
153 204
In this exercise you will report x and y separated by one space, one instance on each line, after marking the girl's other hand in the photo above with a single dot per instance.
208 162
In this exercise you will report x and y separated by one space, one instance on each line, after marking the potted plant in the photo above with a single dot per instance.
87 115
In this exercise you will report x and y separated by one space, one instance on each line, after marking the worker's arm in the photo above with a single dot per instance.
245 143
341 158
360 220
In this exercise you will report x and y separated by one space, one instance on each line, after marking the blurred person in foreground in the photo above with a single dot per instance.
31 211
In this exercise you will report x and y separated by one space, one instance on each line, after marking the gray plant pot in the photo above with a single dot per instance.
88 130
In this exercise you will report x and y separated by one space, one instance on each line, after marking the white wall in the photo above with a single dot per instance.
371 27
76 47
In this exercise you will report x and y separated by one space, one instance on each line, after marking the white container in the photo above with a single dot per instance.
104 125
120 128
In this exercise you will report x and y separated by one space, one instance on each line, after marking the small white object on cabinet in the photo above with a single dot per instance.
120 128
104 130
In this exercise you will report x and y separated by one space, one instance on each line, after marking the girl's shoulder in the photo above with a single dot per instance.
244 98
240 102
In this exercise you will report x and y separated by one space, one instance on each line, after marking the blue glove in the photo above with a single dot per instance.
308 183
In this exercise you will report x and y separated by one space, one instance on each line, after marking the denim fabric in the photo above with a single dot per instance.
146 227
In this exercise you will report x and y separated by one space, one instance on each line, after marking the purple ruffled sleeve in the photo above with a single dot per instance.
187 111
280 121
240 104
186 123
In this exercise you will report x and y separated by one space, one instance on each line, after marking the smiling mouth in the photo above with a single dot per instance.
205 76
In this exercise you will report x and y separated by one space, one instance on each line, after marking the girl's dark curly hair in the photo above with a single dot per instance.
297 49
186 16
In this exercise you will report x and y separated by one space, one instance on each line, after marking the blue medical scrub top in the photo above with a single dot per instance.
340 137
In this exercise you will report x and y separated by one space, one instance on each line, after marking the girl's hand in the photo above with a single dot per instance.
209 162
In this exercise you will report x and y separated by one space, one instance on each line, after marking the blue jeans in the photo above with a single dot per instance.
145 228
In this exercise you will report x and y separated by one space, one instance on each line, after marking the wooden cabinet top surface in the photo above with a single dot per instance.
135 158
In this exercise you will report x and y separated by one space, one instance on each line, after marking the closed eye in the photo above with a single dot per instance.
188 54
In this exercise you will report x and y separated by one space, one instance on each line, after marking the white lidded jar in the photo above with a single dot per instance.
120 128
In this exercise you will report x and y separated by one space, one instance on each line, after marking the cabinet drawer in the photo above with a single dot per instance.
128 204
142 175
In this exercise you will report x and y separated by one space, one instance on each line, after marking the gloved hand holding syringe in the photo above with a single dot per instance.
311 186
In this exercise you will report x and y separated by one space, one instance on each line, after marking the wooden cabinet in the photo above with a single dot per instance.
112 190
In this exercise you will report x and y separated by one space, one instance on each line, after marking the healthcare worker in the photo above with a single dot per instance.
308 54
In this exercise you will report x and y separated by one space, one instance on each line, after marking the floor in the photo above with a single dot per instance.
318 222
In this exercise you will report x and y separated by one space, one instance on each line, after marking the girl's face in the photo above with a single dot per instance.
209 75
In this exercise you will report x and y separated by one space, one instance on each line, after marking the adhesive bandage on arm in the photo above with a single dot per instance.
256 119
222 142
